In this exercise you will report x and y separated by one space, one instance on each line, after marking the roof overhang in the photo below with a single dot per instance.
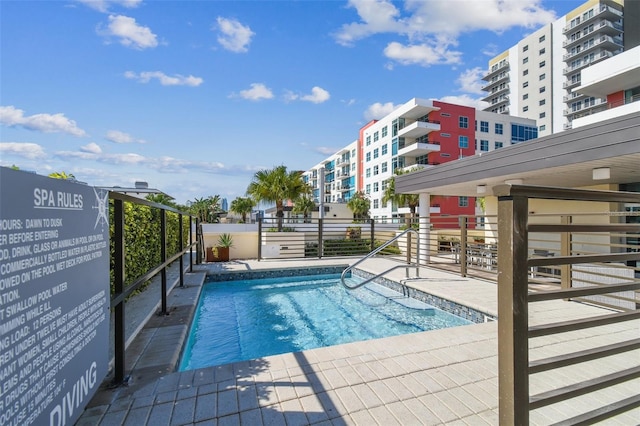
564 159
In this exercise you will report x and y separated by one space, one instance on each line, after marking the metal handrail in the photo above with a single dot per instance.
376 251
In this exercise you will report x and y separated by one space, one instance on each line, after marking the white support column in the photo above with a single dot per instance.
424 209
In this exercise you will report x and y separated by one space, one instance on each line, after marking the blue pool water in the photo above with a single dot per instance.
242 320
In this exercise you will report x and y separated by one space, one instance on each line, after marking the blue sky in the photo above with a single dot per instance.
194 97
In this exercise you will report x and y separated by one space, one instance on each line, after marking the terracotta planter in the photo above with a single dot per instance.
220 254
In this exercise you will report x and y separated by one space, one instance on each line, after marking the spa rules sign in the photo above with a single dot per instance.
54 297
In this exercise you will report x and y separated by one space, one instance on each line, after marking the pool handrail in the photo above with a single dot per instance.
377 250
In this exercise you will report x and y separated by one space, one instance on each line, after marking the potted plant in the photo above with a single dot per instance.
220 253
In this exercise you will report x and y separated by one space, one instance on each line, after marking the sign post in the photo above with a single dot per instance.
54 297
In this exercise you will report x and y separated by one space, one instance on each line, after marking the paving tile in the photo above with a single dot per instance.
137 416
313 409
227 402
164 397
230 420
293 413
285 391
113 418
362 418
383 416
383 392
422 412
206 407
272 416
454 404
160 414
398 388
401 412
442 411
144 401
251 417
367 395
183 411
350 399
247 398
185 393
331 404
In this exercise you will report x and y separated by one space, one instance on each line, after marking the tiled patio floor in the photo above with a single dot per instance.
438 377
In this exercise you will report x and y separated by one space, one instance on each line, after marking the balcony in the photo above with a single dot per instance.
570 84
418 148
495 82
597 58
605 42
417 129
495 70
605 12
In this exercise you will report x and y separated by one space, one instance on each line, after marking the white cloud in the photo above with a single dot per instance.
117 136
103 5
129 32
28 150
379 110
470 80
432 27
47 123
465 100
257 92
421 54
490 50
165 80
92 148
233 35
325 150
317 96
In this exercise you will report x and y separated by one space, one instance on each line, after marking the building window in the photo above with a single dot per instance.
542 77
542 64
525 60
542 102
499 129
368 172
376 203
463 122
541 52
543 114
463 201
445 135
525 84
368 156
543 127
498 145
484 126
394 146
463 142
384 167
542 89
525 108
525 96
368 140
384 131
525 48
525 72
484 145
375 153
445 114
375 137
522 132
376 170
541 39
376 186
384 149
384 185
368 188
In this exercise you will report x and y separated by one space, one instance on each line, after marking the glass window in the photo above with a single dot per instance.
542 89
375 137
375 153
525 60
384 149
484 126
542 77
525 48
463 141
525 84
368 172
463 122
498 145
484 145
368 140
445 135
543 115
499 129
541 52
376 186
521 133
376 170
384 131
542 64
542 102
543 127
541 39
376 203
368 156
368 188
384 167
525 96
463 201
525 108
394 147
525 72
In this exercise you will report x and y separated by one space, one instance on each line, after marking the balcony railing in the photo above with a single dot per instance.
605 11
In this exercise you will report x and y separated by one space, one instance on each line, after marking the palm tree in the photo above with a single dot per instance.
206 209
242 206
164 199
276 186
359 204
62 175
401 200
304 205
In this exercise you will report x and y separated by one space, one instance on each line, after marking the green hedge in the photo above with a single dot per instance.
347 247
142 239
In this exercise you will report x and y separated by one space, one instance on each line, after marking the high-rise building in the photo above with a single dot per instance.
418 134
536 77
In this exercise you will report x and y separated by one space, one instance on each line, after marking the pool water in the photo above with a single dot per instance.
242 320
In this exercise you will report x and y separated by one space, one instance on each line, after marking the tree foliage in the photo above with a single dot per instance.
61 175
305 205
242 206
207 210
359 205
401 200
277 186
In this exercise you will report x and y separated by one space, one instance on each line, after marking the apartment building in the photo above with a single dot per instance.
418 134
535 78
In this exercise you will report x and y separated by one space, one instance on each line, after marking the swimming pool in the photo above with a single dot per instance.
247 319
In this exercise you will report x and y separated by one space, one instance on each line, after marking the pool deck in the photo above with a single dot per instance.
436 377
